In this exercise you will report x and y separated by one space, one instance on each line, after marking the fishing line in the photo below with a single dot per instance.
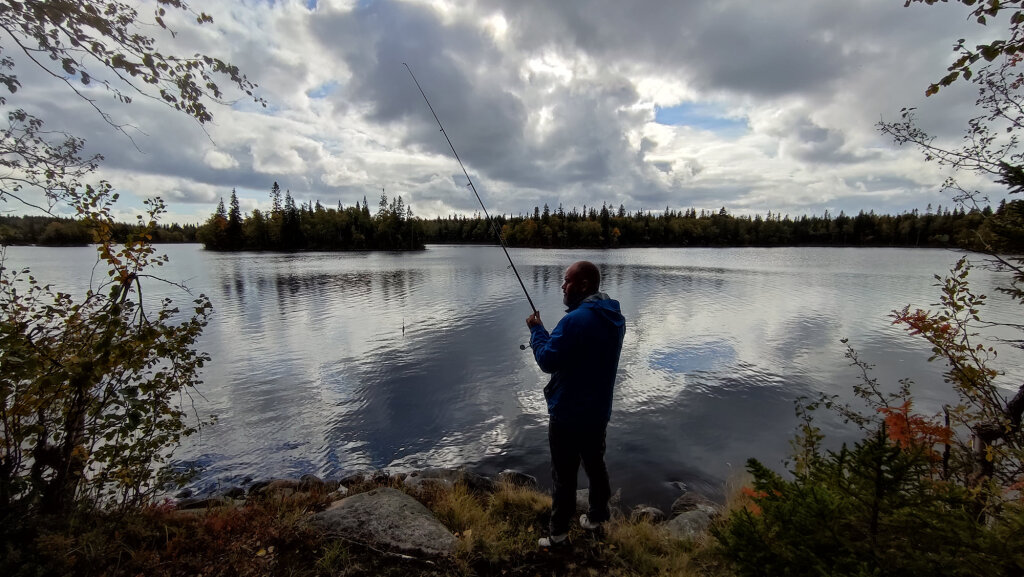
489 221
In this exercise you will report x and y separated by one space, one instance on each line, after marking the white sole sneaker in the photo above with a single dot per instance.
587 524
553 541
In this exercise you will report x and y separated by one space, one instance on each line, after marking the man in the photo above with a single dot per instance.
582 356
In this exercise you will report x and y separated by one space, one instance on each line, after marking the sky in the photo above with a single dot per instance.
648 104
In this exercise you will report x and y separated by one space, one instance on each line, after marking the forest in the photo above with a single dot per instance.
392 226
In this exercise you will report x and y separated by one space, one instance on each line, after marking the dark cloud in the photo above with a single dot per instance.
558 109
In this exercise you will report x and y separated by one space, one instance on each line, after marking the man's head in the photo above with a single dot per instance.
582 279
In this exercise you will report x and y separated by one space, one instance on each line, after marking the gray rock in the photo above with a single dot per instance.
388 519
316 485
689 525
583 500
310 483
517 479
691 501
652 515
206 503
353 479
183 494
340 492
234 493
276 488
446 479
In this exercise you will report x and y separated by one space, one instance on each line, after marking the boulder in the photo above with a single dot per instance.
387 519
648 514
517 479
691 501
689 525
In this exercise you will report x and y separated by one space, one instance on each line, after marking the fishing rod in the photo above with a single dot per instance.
489 221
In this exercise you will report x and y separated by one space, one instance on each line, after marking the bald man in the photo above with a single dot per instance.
582 356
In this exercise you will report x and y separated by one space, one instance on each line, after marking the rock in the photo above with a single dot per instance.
692 501
316 485
446 479
310 483
689 525
184 494
388 519
652 515
517 479
258 487
276 488
583 500
353 479
234 493
381 478
340 492
205 503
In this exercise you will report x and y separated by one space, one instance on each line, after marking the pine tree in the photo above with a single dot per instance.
234 230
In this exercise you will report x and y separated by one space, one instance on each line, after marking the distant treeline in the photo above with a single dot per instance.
54 231
602 227
311 226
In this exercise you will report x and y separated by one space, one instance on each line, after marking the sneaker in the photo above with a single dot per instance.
553 541
587 524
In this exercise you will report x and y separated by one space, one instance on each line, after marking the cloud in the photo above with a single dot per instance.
646 104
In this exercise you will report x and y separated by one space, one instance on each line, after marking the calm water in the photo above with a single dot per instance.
331 363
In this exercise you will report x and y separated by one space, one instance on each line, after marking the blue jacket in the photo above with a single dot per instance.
582 356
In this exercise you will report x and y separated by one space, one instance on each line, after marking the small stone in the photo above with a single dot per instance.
311 484
207 503
644 513
517 479
692 501
234 493
338 493
184 494
353 479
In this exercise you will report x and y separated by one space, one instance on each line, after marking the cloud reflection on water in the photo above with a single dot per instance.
312 371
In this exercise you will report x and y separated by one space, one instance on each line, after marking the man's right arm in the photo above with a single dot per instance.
551 350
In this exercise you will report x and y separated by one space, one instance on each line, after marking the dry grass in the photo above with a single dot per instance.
497 535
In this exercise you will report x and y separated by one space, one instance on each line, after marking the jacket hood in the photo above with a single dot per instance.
605 306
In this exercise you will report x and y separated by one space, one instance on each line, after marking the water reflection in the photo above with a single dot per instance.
329 363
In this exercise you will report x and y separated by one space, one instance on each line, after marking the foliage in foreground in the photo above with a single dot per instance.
918 494
873 509
91 397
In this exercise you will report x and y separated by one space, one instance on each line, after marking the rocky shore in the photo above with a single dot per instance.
391 518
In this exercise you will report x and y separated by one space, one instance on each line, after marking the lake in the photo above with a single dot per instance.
331 363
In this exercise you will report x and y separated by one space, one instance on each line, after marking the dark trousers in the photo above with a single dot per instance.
569 446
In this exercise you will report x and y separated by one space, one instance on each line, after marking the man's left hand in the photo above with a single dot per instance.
534 320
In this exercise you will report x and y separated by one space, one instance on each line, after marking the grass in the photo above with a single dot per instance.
496 535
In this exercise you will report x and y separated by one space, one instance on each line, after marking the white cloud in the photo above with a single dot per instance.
546 102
